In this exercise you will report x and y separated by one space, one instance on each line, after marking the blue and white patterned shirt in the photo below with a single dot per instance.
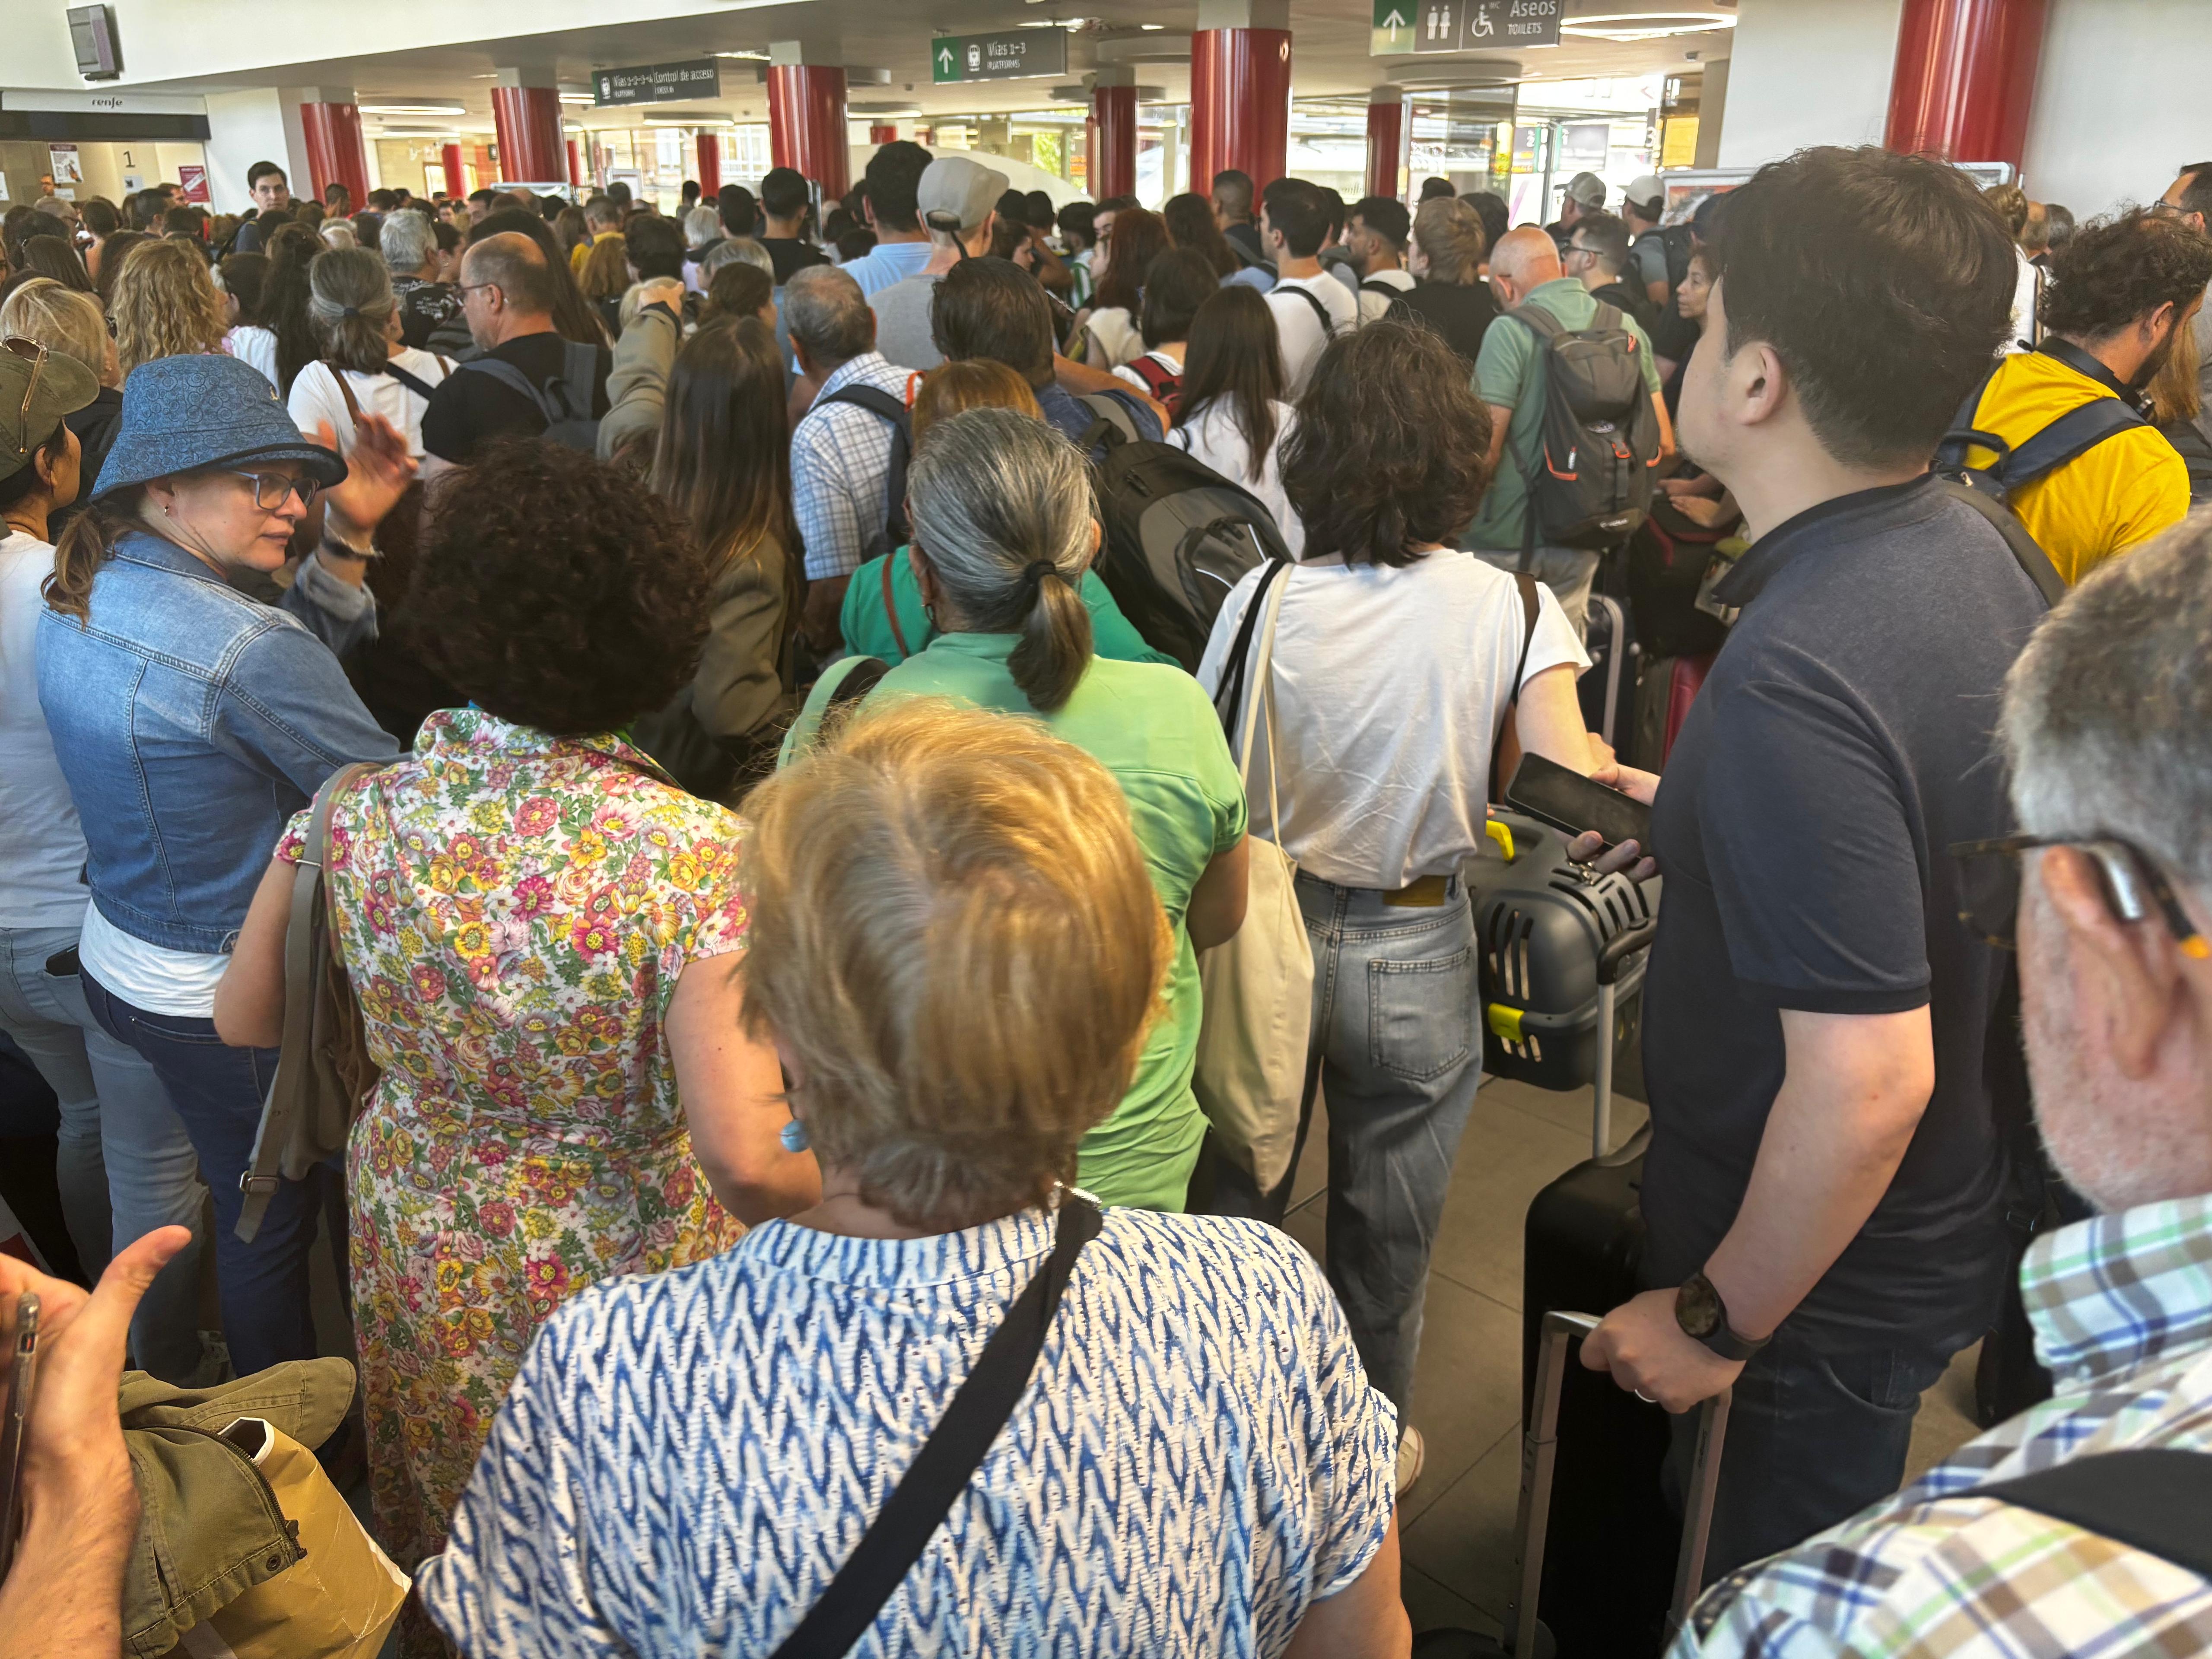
841 463
686 1459
2122 1306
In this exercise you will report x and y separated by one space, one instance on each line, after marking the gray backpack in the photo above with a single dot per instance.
565 400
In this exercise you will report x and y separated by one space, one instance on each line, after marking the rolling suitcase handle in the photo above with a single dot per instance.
1539 1448
1617 951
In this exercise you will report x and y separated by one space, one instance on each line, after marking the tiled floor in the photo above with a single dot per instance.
1457 1519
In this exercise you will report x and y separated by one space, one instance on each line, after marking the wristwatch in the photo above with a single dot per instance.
1700 1312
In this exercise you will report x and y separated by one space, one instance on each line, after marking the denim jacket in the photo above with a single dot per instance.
192 722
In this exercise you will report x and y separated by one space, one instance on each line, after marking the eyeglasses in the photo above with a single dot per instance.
269 489
467 288
1989 887
35 355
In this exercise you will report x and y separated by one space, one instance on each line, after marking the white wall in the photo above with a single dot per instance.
1810 72
2119 101
245 127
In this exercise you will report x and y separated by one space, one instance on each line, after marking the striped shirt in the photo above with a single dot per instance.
2122 1306
685 1460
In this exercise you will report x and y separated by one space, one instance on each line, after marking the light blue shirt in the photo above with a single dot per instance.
887 263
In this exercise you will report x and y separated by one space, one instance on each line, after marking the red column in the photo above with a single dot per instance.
1964 78
576 163
1114 127
1387 133
1240 104
806 124
456 182
880 132
335 153
710 166
527 120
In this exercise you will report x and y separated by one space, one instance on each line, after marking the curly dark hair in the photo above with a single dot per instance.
1392 446
558 592
2118 270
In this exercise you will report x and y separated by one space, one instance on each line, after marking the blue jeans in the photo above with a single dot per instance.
1395 1051
125 1165
1813 1436
267 1314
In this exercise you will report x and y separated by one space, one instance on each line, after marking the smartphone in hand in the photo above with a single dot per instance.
1557 795
14 1428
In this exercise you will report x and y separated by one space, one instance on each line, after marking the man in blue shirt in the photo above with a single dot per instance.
893 175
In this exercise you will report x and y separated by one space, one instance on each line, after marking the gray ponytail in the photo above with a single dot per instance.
1002 506
349 302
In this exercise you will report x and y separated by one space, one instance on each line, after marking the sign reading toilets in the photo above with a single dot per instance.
1419 25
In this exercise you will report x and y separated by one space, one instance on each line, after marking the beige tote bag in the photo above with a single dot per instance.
1258 985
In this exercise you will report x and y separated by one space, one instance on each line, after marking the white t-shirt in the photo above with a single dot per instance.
253 345
1300 331
161 981
1118 340
1212 436
315 396
1390 682
1373 302
41 844
2027 288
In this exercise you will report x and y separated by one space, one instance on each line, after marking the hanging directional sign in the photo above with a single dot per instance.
1012 55
1419 25
657 83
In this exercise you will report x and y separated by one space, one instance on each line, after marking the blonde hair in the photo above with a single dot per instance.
2174 392
950 389
954 935
58 318
166 304
1449 233
606 269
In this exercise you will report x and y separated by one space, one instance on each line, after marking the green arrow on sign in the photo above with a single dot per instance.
1393 19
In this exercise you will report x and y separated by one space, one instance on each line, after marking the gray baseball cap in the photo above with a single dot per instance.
955 190
1587 189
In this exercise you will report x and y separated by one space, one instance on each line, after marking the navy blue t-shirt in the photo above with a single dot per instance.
1841 744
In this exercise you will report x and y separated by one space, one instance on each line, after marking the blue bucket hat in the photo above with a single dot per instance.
180 414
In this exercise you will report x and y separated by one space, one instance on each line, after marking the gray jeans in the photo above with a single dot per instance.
123 1164
1567 571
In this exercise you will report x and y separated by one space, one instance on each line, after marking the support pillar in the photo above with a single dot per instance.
1964 78
335 155
1113 134
806 115
526 113
456 182
1390 138
1240 91
709 145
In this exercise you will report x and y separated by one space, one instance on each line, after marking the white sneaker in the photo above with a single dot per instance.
1412 1454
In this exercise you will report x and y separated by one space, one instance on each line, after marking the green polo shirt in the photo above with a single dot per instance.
1155 731
1506 374
865 620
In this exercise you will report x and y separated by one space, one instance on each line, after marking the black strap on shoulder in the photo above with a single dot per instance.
415 383
2152 1499
882 404
2026 551
2086 367
1531 608
515 380
1320 311
1232 671
2072 435
861 679
949 1458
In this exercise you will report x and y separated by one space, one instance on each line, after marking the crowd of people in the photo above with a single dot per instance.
772 872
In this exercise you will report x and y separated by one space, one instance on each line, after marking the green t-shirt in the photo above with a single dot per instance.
1155 731
865 620
1505 375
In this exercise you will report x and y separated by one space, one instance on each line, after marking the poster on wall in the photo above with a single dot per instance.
191 179
66 165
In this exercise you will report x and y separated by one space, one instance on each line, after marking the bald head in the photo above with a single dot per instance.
515 264
1523 259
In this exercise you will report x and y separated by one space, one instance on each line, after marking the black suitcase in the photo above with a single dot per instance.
1562 953
1557 1448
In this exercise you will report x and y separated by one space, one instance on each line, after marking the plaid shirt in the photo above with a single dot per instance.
2122 1306
841 461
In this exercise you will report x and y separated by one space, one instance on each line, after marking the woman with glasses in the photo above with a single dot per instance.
191 721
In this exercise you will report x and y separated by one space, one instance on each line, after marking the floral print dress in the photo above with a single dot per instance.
513 910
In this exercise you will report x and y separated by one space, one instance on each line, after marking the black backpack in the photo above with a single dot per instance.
1680 245
565 400
1395 310
1178 537
1599 440
880 403
2072 435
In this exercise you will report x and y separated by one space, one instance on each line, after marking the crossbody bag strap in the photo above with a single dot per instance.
1531 608
949 1458
280 1113
1229 698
